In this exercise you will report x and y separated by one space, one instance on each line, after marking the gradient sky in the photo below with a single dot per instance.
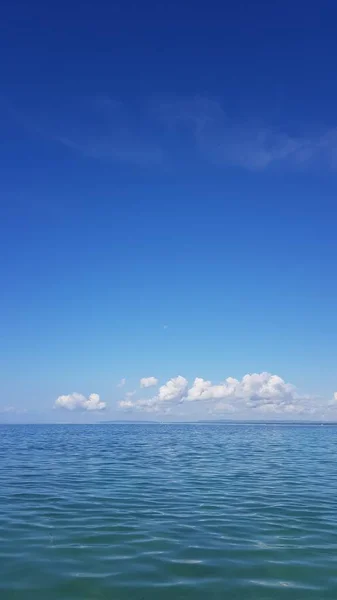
168 208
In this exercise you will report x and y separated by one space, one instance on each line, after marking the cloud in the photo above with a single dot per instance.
7 409
121 383
148 134
126 404
147 382
12 410
123 151
254 393
174 389
262 391
76 401
256 385
205 390
99 128
330 411
144 405
247 144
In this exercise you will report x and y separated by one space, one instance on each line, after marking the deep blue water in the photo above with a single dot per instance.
168 511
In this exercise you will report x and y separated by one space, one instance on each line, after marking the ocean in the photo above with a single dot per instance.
169 512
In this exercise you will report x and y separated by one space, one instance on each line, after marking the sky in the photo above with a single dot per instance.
168 211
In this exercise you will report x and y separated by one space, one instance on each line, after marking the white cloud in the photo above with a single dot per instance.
335 396
76 401
126 404
147 382
255 392
121 383
205 390
149 405
127 401
173 389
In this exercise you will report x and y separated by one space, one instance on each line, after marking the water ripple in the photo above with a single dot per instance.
168 511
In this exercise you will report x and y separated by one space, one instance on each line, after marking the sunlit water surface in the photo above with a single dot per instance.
168 512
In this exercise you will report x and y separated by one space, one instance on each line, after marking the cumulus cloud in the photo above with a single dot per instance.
255 385
147 382
262 391
76 401
255 392
173 389
205 390
121 383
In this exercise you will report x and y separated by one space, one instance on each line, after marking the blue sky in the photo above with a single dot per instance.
168 209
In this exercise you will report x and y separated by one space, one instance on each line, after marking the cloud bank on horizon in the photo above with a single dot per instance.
256 394
261 392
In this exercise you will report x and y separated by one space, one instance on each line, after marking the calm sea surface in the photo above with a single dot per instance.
168 512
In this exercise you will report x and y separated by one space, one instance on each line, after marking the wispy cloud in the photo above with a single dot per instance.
243 142
121 383
106 149
148 134
12 410
99 127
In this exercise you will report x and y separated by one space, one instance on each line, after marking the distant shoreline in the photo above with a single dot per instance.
218 422
259 423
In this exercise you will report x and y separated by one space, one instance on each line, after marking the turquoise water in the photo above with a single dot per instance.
168 511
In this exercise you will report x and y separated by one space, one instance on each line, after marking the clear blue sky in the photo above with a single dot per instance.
168 203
